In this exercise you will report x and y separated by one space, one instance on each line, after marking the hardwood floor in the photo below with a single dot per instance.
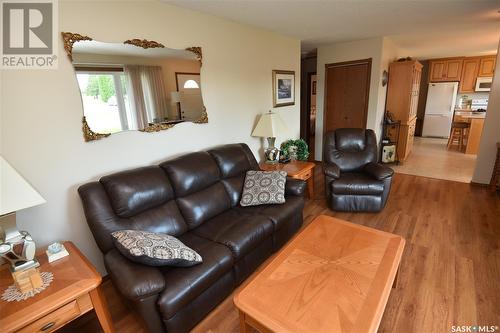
449 273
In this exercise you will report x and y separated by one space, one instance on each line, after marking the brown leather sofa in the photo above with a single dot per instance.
194 197
354 181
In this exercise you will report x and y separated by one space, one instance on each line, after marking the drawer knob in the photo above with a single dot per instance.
47 326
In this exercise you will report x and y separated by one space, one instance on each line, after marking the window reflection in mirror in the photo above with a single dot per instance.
125 87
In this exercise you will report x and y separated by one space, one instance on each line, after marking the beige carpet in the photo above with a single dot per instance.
430 158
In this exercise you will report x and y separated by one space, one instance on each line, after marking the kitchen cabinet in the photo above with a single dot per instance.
487 66
470 71
402 101
445 70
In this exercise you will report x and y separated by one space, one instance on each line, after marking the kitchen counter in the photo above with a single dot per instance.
476 120
470 114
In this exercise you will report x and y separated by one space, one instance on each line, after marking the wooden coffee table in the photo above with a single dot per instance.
334 276
302 170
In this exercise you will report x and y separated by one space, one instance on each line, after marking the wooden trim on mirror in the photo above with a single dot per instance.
69 39
90 135
144 43
197 51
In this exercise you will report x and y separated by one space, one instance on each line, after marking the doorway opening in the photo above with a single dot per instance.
308 102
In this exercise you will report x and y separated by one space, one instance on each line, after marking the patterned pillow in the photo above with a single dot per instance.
154 249
263 188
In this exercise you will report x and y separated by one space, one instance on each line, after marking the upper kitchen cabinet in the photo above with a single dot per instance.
445 70
469 75
487 66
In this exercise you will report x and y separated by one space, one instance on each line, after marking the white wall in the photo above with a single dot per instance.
382 51
491 132
41 127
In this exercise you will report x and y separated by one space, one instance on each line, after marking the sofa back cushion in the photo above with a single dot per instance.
350 148
196 181
134 191
138 199
234 161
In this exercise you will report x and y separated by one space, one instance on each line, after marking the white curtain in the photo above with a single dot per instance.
147 93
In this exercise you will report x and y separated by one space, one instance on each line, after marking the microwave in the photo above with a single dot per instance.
483 83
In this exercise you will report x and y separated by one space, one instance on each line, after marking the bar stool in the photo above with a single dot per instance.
496 171
459 131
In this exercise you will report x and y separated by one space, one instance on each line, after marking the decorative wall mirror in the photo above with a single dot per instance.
135 85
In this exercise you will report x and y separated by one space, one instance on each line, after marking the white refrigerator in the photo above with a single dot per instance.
441 99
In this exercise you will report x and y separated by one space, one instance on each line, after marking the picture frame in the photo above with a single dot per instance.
283 88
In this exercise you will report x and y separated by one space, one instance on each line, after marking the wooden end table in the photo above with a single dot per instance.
334 276
74 291
297 169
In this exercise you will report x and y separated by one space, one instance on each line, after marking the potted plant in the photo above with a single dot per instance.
295 150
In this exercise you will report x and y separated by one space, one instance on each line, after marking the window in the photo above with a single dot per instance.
191 84
105 98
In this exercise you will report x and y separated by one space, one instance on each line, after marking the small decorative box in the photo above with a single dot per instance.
56 251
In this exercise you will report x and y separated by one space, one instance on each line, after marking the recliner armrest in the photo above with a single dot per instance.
331 170
295 187
378 171
134 281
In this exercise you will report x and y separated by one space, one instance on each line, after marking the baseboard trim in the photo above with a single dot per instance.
479 184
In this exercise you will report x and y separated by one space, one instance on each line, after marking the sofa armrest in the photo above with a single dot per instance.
378 171
331 170
134 281
295 187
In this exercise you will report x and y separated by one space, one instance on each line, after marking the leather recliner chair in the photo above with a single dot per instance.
354 181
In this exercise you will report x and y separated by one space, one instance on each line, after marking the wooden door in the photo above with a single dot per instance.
487 66
469 74
191 102
437 71
453 69
347 87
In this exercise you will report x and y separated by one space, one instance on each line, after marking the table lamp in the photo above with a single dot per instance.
269 126
16 247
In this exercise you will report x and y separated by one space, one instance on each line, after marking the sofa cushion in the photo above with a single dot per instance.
133 191
234 161
263 187
234 188
185 284
357 183
280 215
200 206
165 218
191 173
231 159
241 233
154 249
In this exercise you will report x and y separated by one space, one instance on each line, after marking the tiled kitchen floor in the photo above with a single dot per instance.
430 158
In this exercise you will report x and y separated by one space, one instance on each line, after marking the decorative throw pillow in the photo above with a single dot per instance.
263 188
154 249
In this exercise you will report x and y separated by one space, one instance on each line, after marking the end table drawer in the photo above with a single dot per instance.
54 320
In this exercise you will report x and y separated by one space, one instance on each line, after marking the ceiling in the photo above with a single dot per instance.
423 28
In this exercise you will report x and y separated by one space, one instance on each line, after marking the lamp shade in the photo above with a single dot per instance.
270 125
15 192
175 96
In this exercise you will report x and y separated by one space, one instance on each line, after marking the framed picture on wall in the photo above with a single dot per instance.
283 88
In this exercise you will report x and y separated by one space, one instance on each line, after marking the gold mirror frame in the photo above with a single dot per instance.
70 38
